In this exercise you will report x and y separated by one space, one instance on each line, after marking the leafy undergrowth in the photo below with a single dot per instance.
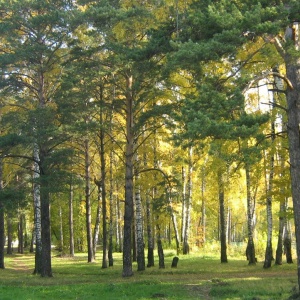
196 277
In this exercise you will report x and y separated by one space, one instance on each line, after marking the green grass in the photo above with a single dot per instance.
197 277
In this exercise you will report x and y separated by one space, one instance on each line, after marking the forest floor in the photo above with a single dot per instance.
196 277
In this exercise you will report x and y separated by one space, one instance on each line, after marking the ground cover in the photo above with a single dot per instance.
197 277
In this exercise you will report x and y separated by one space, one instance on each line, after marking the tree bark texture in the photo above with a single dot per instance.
9 234
293 113
46 270
279 249
71 221
37 211
2 233
111 212
139 229
150 256
128 213
269 250
88 215
98 219
222 218
188 204
21 234
250 250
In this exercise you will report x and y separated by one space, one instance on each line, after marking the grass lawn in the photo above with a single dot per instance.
197 277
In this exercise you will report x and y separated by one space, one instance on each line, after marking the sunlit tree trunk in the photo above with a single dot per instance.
188 204
293 103
222 217
128 215
203 207
71 220
250 251
279 249
183 204
269 250
287 242
37 211
282 212
2 234
88 216
111 212
139 224
98 218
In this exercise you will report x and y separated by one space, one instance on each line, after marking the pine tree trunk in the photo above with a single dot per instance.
37 211
111 212
222 218
119 231
188 202
20 234
128 215
2 233
88 203
250 251
61 231
150 255
98 217
183 205
293 113
269 250
160 250
139 231
9 234
46 270
71 221
203 208
279 249
103 191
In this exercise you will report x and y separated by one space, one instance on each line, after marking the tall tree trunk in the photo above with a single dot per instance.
139 223
46 270
98 218
188 202
128 215
119 236
111 212
160 250
71 221
103 188
2 233
287 241
9 234
250 251
269 183
292 63
282 212
150 256
20 234
279 249
269 250
222 217
183 205
37 211
174 221
88 215
203 207
61 231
